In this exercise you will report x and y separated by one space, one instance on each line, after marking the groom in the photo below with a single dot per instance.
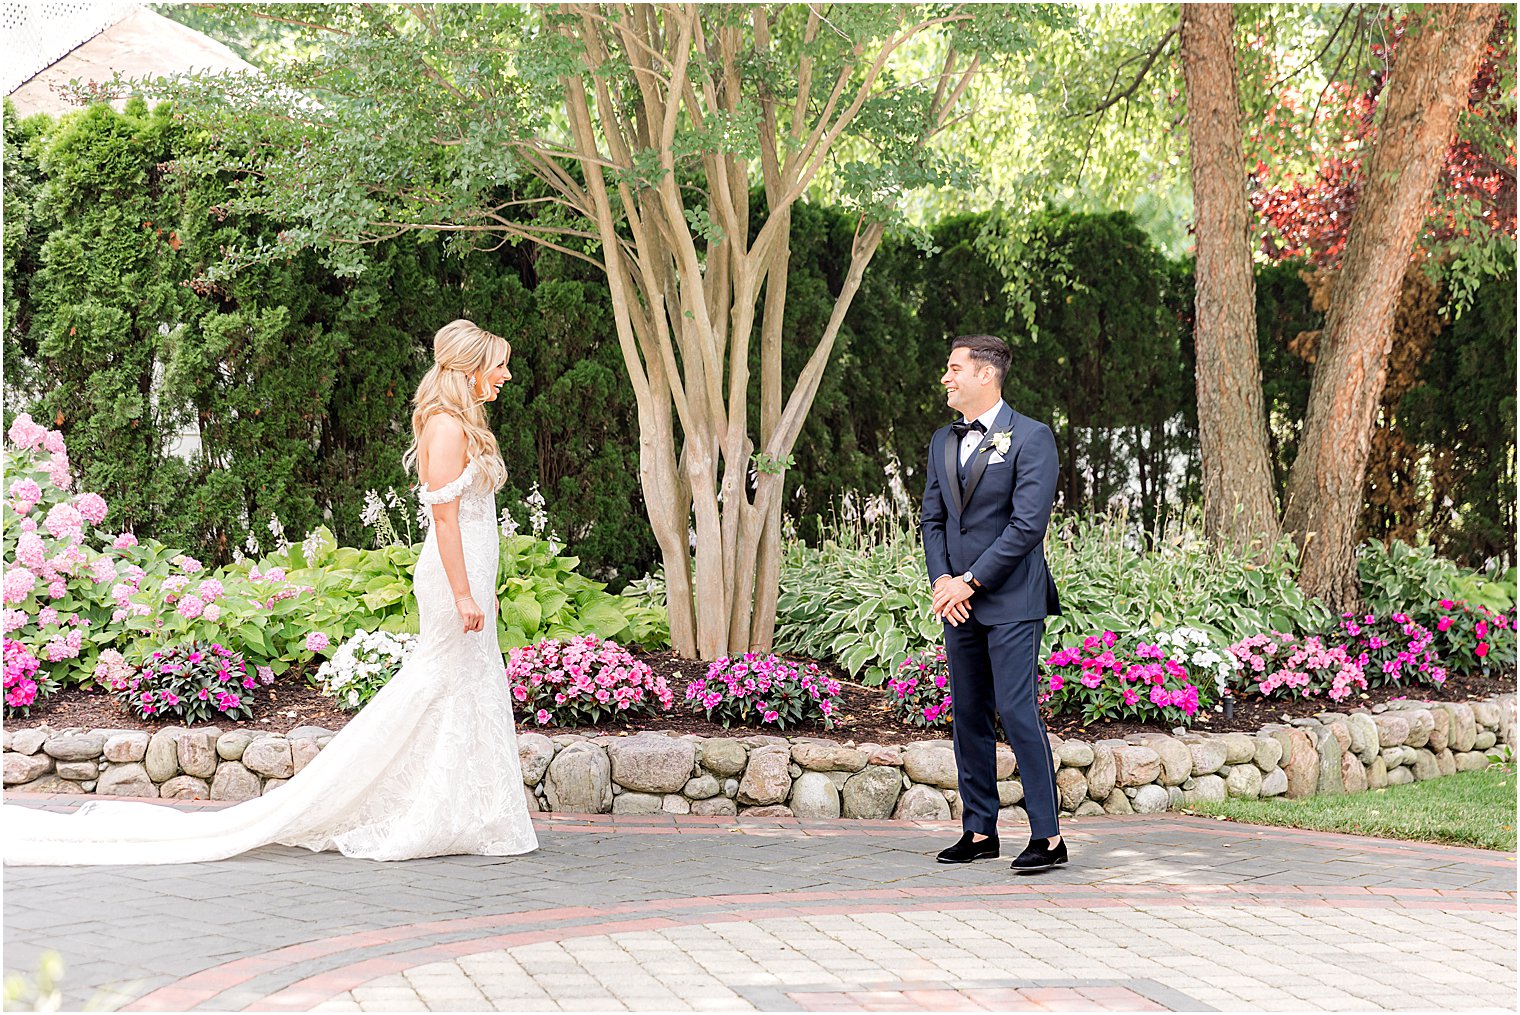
987 498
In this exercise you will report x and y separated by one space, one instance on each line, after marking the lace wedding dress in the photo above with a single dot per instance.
429 767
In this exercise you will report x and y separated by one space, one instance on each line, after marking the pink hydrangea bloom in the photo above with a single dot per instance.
124 541
210 590
64 520
19 583
316 641
212 612
30 551
53 441
25 433
191 607
93 507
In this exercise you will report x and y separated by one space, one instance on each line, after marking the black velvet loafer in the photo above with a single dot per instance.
1040 856
967 850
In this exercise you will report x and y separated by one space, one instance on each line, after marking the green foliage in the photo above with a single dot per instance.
1464 409
1401 577
543 596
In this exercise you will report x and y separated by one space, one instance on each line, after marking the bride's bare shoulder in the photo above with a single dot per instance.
443 449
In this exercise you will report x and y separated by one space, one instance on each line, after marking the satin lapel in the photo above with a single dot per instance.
980 456
952 480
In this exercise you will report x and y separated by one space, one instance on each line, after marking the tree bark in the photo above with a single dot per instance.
1433 68
1239 509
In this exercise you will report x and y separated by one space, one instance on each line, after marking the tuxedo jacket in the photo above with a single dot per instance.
995 527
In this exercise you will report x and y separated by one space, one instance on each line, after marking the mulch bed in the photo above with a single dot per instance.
863 715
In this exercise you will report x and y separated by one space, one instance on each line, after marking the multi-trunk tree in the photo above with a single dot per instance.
674 141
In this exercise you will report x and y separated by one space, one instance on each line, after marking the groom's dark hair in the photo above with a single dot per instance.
986 350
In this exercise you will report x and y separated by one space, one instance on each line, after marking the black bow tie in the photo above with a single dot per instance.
962 428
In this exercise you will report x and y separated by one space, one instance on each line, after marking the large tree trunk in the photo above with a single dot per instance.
1238 504
1433 67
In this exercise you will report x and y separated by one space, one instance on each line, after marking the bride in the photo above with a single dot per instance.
430 766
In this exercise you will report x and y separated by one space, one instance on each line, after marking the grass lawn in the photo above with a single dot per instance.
1466 809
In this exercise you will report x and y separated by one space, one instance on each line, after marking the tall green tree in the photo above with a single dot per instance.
648 124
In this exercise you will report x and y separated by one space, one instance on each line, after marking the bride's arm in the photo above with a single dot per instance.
444 441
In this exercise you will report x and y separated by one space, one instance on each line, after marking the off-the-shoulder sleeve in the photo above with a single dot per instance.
451 490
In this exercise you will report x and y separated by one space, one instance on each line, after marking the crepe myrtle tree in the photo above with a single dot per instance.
667 145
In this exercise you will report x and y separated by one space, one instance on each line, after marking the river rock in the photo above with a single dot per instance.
534 752
1244 781
1440 731
1471 761
1446 762
767 778
1010 792
1303 769
767 811
1135 765
1464 727
1075 754
196 753
718 806
162 757
702 787
814 796
1117 803
1101 774
1239 748
637 803
267 756
932 765
1208 755
1353 773
124 747
1071 788
1274 783
20 768
1484 741
1377 773
1328 747
891 756
302 752
872 792
1007 762
233 781
1393 728
77 771
130 779
651 762
1366 739
828 758
231 745
75 746
1486 713
1268 753
1425 766
185 787
1151 799
579 780
29 741
1209 788
1400 776
1176 759
723 757
922 803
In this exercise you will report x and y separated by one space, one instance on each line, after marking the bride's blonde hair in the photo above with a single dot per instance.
460 348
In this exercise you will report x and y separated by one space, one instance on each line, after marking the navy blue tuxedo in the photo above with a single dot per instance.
993 524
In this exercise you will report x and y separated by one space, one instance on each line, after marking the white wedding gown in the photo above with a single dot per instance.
428 768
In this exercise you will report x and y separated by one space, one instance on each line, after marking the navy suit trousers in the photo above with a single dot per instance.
993 672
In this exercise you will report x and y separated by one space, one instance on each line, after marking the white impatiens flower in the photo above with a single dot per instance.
363 664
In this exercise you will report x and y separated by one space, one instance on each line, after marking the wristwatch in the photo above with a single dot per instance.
968 578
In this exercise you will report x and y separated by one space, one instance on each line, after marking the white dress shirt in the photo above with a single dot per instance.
972 438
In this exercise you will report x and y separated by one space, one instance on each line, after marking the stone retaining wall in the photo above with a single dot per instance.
651 773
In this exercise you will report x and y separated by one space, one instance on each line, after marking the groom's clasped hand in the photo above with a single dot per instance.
952 600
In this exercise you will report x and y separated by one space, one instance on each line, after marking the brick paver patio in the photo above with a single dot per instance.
1161 912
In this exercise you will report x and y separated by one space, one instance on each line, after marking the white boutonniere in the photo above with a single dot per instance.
998 442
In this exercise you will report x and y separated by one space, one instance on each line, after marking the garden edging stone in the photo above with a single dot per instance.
1390 744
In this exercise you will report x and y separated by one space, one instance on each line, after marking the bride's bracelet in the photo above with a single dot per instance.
460 599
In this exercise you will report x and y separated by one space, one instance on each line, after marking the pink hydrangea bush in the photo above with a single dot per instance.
1104 678
1279 663
192 683
765 691
920 693
582 682
56 582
